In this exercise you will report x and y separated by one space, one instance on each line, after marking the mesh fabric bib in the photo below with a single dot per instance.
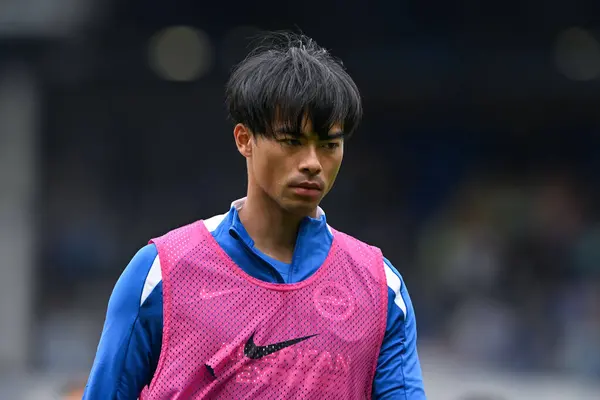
227 335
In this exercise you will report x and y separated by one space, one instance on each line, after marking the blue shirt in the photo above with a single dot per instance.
130 344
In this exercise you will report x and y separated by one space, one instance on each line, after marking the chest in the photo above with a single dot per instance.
328 330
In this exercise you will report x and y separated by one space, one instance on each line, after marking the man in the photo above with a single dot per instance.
266 301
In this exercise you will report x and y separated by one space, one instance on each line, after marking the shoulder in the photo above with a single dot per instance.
138 279
348 241
179 241
210 224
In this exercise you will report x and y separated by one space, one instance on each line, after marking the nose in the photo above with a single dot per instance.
310 162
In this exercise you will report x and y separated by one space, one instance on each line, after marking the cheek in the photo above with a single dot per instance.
269 169
332 167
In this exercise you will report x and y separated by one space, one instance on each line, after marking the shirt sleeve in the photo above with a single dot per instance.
398 374
129 347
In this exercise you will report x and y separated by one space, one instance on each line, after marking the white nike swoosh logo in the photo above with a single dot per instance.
204 295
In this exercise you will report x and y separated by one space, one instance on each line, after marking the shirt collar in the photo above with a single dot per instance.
239 203
312 226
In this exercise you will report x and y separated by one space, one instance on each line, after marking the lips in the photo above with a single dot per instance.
309 185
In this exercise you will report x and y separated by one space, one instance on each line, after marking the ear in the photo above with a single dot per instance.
243 139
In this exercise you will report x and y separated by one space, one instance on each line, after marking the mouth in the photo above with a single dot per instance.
308 185
307 189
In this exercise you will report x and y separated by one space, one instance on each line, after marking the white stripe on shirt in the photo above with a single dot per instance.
393 282
154 277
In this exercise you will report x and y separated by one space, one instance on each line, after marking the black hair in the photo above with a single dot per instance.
289 77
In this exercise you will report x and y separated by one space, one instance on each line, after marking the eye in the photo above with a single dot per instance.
291 142
331 145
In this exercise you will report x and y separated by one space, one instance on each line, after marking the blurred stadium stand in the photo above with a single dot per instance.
476 171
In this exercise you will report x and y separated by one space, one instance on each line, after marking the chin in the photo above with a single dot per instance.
300 207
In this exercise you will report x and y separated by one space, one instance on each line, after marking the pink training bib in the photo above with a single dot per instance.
228 335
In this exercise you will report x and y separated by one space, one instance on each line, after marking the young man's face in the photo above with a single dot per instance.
296 170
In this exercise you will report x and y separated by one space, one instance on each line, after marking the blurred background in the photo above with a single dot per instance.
475 170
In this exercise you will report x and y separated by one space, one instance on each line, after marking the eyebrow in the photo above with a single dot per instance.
327 136
334 135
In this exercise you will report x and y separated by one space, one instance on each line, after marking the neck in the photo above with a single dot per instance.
273 230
